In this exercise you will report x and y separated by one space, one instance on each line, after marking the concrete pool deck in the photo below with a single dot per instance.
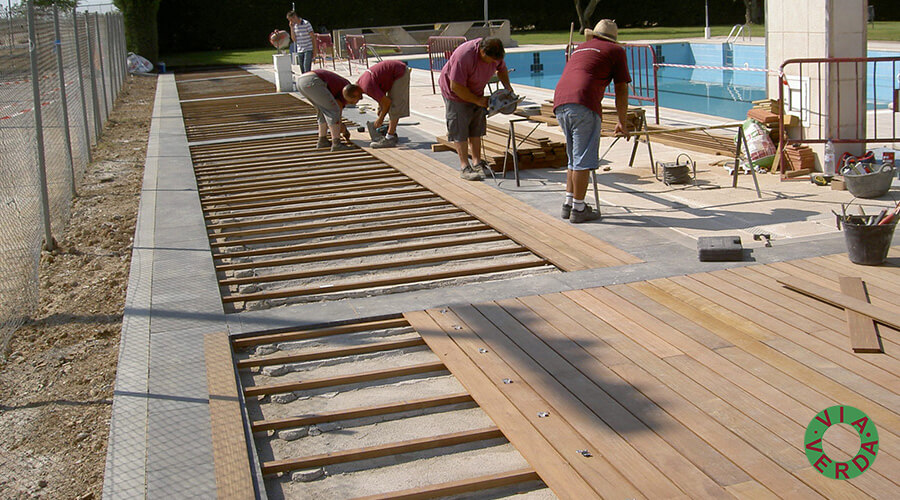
160 445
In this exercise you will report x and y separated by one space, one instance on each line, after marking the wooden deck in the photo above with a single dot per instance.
692 386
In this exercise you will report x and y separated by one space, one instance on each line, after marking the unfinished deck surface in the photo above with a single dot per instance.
699 385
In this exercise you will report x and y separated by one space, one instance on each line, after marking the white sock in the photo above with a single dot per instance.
578 205
569 198
390 136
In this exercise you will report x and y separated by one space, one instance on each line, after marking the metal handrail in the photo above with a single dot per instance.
736 34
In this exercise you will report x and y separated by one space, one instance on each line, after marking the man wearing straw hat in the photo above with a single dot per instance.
576 101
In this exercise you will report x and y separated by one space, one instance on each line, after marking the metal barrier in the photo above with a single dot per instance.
871 84
60 76
323 45
642 66
439 50
356 51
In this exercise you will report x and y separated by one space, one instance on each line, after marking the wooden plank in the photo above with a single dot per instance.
455 217
681 450
311 333
585 406
231 455
292 206
329 353
212 193
353 413
424 276
863 334
440 258
519 219
838 299
523 432
353 241
355 378
371 250
821 273
296 228
459 487
412 445
332 187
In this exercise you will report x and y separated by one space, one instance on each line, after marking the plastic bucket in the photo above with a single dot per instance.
872 185
868 245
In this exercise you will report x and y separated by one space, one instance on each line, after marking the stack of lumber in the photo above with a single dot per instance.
765 111
798 158
534 152
700 141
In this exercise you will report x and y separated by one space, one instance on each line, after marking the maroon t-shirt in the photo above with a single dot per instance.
335 83
378 79
591 67
466 68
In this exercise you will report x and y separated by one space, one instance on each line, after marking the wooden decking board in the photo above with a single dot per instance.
882 314
879 296
439 178
701 454
751 490
554 470
274 182
564 436
592 412
767 315
863 333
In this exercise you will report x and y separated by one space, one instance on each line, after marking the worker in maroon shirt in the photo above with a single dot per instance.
462 80
576 103
329 93
388 83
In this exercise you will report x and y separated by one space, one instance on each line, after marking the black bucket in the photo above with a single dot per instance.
868 245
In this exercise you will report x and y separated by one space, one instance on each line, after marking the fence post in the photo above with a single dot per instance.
49 243
95 96
102 70
63 99
113 60
84 116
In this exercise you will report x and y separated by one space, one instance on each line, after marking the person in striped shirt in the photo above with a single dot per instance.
301 33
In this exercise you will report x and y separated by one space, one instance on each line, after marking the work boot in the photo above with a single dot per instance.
470 173
588 214
373 132
323 143
566 210
340 146
385 142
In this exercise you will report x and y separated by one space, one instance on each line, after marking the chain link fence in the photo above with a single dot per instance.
60 73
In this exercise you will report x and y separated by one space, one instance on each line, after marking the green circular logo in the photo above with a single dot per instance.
868 440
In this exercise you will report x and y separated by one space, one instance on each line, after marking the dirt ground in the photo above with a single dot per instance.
56 387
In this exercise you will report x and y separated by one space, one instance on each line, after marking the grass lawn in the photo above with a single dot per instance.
220 57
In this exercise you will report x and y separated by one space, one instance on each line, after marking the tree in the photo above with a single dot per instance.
141 35
753 11
584 15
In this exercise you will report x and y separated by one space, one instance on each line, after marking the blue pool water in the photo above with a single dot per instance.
724 93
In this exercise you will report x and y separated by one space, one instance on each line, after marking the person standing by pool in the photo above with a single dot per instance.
462 80
388 83
301 34
576 103
329 93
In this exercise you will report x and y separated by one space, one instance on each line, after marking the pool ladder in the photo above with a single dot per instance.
738 31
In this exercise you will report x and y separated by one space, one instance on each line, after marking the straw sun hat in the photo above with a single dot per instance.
605 29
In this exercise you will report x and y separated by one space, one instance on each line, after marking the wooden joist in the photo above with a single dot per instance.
293 335
459 487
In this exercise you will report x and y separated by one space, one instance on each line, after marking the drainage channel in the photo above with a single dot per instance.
366 410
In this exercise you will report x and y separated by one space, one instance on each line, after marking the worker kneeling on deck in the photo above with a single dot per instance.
388 83
576 103
329 93
463 79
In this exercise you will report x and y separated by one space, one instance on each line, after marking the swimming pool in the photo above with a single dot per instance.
724 93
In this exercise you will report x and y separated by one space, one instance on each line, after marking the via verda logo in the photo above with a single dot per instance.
868 442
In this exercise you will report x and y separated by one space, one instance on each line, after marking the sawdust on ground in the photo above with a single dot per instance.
56 386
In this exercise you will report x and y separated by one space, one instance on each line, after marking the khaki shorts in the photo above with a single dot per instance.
399 95
314 88
464 120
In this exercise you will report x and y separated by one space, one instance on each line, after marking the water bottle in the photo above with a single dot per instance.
828 161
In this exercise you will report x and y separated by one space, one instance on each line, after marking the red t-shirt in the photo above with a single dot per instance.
335 83
466 68
591 67
378 79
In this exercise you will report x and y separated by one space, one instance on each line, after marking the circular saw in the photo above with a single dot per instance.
503 101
